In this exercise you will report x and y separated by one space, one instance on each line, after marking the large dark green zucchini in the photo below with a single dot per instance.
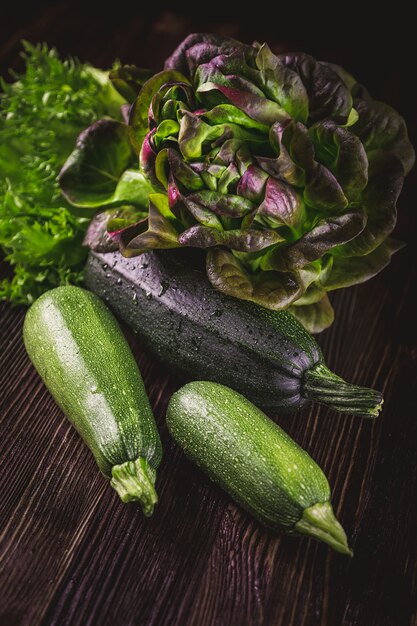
266 355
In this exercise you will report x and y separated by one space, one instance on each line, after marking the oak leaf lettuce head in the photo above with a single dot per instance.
281 167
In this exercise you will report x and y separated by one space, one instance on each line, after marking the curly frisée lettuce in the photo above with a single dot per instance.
41 114
281 167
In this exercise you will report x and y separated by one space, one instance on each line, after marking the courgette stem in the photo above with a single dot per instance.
322 385
134 481
319 521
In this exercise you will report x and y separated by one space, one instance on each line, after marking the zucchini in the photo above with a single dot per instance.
255 461
83 358
267 355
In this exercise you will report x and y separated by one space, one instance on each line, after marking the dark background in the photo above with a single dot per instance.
70 552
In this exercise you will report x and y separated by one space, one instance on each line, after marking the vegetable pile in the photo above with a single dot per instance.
282 167
102 393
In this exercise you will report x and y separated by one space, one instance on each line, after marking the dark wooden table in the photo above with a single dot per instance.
71 553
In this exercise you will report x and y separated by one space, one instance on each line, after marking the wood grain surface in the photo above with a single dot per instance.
71 553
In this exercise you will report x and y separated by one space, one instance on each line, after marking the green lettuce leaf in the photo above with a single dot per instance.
315 317
128 80
139 113
379 126
276 290
321 239
249 240
98 173
379 204
156 232
347 271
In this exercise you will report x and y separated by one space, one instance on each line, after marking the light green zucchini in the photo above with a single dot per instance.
255 461
82 356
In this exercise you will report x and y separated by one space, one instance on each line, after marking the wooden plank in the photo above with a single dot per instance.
71 553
